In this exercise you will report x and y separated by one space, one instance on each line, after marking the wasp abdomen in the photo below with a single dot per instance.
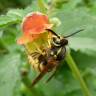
37 61
42 60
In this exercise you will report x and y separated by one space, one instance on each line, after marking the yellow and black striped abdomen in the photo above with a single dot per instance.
37 61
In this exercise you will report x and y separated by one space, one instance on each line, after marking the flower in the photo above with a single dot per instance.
26 39
34 24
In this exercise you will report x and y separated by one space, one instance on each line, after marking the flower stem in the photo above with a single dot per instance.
77 74
42 5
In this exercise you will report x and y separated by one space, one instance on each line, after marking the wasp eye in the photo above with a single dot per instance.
56 40
64 42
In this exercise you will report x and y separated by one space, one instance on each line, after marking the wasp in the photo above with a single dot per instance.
48 58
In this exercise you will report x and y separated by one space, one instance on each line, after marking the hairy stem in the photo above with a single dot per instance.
77 74
42 5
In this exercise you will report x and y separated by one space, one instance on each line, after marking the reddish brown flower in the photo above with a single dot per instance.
33 25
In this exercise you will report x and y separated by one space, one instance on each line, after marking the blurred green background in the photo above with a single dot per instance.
8 4
74 15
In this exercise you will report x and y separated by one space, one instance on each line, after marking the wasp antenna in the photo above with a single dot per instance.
53 32
73 33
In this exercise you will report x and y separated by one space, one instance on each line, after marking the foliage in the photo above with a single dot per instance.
74 15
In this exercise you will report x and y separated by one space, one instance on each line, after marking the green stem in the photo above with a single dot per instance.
42 5
77 74
50 8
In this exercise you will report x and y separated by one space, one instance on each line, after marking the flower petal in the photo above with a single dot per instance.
35 23
26 39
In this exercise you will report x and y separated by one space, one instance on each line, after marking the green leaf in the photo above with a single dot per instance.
16 13
7 20
12 17
73 17
75 20
9 74
86 45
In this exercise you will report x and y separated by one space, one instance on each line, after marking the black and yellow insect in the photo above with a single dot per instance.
47 57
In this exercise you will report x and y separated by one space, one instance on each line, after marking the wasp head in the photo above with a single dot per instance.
61 41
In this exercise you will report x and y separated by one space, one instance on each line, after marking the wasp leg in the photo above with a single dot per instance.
39 67
39 77
51 76
55 70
